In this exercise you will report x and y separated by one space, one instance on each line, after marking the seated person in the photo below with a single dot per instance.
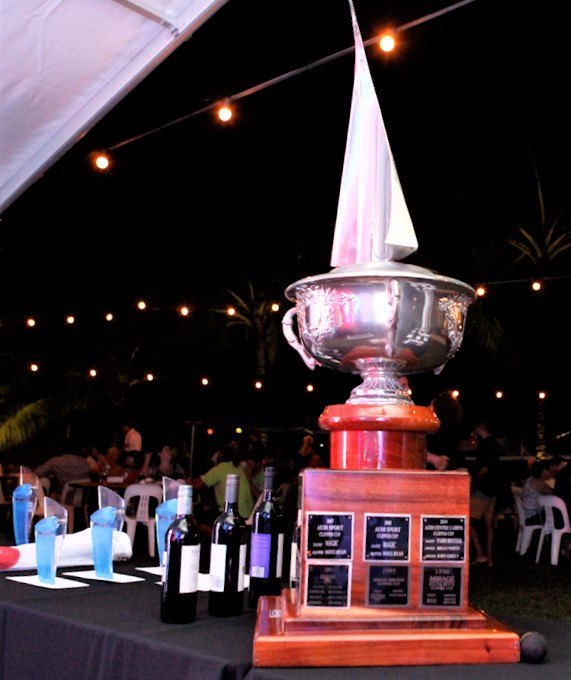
162 464
132 463
108 465
535 485
68 466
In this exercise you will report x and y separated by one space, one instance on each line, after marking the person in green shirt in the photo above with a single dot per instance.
215 478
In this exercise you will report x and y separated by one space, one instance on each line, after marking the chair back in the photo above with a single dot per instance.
144 492
554 514
139 510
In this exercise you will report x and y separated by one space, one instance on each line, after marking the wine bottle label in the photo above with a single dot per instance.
242 567
260 555
189 566
293 575
280 557
217 567
164 567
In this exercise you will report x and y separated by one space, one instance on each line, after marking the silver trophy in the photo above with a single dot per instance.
371 315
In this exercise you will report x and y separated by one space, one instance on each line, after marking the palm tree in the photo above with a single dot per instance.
257 315
549 239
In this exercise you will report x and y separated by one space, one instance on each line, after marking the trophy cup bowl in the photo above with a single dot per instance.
379 320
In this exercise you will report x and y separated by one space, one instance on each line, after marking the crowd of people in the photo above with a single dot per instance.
126 459
248 456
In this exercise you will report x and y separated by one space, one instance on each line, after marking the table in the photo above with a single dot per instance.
112 631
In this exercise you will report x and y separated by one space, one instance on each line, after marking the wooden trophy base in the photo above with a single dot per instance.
436 641
383 569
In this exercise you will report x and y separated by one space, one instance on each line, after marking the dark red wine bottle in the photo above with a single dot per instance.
267 543
182 560
228 556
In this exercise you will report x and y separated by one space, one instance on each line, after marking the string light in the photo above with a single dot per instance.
224 111
184 310
387 43
102 161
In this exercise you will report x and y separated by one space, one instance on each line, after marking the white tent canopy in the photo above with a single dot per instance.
66 63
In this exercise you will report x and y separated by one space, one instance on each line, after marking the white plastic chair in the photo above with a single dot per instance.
553 525
143 514
72 498
525 532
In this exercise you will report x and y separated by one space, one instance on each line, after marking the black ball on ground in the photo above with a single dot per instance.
533 647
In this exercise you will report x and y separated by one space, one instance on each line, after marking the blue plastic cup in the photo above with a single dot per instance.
45 533
21 497
102 522
165 514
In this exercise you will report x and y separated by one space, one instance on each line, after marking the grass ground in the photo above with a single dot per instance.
516 585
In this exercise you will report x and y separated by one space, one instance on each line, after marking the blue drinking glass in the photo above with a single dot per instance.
165 514
102 522
45 532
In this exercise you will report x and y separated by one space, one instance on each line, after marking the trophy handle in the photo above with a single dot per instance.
291 337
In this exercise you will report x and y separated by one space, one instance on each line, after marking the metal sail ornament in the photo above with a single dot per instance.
371 314
373 221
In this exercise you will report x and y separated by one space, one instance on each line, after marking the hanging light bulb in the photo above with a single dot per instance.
225 112
387 42
101 161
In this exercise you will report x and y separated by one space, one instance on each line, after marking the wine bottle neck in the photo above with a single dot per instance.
231 507
232 486
184 502
269 477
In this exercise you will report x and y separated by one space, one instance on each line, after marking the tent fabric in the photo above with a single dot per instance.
66 63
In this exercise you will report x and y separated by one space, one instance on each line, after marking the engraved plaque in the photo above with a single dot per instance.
441 586
329 536
387 586
443 539
328 585
387 538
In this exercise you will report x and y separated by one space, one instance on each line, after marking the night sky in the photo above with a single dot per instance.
198 208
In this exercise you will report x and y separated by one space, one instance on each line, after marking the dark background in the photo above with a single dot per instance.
198 208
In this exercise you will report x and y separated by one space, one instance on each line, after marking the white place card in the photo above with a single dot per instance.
60 583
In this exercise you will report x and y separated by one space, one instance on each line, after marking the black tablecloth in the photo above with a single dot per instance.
112 631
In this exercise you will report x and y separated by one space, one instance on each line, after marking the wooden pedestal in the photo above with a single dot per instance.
384 558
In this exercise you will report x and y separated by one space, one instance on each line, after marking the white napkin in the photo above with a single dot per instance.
77 550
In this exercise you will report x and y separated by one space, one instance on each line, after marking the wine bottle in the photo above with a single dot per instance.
267 543
228 556
181 565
